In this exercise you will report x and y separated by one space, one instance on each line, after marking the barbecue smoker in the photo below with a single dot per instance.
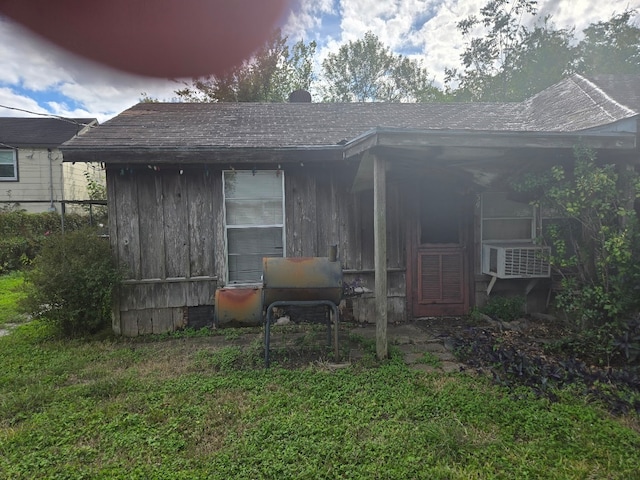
294 281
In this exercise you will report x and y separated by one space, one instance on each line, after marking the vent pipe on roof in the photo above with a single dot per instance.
299 96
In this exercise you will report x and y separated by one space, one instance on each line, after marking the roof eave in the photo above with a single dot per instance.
190 155
403 138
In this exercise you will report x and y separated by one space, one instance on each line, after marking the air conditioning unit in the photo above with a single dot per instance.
515 260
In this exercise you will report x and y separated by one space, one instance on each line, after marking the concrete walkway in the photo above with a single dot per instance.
422 348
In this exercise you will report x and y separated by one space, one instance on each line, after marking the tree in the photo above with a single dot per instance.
508 61
366 70
610 47
542 57
488 56
269 76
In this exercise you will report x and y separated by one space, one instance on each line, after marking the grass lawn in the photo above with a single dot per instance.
9 295
179 407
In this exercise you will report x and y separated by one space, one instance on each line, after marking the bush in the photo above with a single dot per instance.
598 258
504 308
22 235
71 282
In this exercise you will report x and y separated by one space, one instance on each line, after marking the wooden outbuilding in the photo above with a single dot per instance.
415 196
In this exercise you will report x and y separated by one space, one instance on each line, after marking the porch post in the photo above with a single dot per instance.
380 253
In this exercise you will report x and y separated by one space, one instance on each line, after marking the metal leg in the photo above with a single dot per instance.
279 303
267 336
336 319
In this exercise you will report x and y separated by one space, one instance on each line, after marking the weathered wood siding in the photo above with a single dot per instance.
167 229
164 230
321 211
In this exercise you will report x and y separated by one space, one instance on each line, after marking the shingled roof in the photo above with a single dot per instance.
579 103
40 132
574 104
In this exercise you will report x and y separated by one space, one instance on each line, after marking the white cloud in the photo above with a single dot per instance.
66 85
306 17
27 62
19 103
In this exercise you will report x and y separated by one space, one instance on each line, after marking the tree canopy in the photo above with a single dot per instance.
510 61
510 54
270 75
367 70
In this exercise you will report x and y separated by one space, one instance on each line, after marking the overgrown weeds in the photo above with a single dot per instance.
184 408
514 363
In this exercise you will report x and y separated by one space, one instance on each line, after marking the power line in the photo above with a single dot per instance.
58 117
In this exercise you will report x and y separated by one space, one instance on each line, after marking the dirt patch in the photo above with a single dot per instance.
6 329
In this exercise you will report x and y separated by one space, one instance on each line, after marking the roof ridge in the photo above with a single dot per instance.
604 94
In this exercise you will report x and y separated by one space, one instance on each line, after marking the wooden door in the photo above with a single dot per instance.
440 276
438 260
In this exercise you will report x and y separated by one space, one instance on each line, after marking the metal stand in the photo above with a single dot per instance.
300 303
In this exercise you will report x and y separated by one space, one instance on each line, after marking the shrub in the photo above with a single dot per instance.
598 258
22 234
504 308
71 282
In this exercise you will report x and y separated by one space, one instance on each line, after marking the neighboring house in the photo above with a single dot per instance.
32 174
414 195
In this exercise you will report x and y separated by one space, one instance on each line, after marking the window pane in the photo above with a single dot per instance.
247 247
507 229
252 212
7 164
497 205
253 199
7 171
6 156
242 184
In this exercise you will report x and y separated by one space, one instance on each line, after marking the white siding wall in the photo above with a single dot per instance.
37 178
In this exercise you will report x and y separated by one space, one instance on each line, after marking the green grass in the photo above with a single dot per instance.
429 358
185 408
10 293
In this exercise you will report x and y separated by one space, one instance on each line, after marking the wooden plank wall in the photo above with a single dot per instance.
164 230
321 211
168 230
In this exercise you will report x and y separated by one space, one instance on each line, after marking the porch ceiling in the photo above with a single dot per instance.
468 150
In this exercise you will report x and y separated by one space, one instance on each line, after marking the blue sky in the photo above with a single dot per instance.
38 77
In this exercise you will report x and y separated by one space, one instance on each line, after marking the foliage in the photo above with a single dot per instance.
618 389
22 235
504 308
96 191
511 54
614 343
505 60
366 70
489 55
269 76
627 340
10 294
71 283
597 255
122 408
610 47
430 359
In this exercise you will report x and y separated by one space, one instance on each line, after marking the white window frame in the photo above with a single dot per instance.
14 178
227 227
534 223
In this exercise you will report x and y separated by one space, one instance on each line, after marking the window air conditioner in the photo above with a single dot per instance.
516 260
